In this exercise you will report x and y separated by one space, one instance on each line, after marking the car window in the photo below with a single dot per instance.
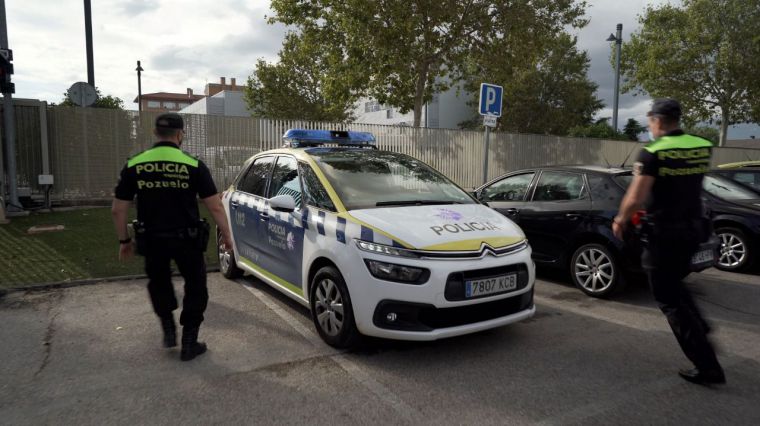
727 189
368 179
748 178
602 189
512 188
559 186
255 179
285 179
314 192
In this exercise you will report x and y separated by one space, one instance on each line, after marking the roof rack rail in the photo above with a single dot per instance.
302 138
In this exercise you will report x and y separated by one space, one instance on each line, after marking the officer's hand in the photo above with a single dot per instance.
618 230
227 241
126 251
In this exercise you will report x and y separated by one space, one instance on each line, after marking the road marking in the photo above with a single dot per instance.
408 413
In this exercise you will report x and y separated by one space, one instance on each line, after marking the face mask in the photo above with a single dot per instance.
651 135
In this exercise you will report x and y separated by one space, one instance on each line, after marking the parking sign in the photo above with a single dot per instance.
490 99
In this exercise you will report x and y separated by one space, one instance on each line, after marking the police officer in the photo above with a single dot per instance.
166 183
669 174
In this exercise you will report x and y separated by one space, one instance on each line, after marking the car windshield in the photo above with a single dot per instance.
368 179
727 189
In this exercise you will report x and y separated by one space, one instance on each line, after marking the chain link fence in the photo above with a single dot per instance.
89 146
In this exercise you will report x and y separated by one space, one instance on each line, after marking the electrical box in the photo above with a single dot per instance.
45 179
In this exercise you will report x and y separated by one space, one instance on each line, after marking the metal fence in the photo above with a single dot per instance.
88 147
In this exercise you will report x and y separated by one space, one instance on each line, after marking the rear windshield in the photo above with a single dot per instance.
624 180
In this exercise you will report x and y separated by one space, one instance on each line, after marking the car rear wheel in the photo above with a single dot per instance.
594 270
331 309
227 261
734 252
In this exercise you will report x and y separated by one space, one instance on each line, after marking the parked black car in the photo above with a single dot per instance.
566 213
746 173
735 211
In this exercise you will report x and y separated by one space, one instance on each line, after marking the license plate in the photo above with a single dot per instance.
493 285
703 256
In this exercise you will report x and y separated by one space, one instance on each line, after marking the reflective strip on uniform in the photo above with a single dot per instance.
163 153
678 142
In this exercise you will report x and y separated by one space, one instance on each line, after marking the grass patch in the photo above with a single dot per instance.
87 248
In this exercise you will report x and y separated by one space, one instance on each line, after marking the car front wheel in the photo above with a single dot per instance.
734 252
331 309
594 270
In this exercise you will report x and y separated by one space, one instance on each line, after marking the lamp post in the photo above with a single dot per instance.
139 70
618 39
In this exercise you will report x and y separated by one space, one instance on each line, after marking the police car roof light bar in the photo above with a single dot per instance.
301 138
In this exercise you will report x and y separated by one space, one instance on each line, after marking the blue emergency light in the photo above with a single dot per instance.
300 138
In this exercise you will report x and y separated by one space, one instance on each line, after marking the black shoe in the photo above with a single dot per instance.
703 377
170 332
191 347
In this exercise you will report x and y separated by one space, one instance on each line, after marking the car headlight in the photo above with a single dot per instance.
383 249
398 273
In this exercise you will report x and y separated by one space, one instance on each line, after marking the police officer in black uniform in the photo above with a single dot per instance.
670 171
166 183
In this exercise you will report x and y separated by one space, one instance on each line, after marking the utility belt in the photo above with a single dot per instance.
195 237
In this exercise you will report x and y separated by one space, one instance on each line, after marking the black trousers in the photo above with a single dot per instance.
191 265
667 258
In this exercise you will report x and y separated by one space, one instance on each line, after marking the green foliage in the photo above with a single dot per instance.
706 54
547 97
600 129
107 102
710 133
402 52
302 85
633 129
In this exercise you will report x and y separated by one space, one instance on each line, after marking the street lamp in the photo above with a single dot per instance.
618 40
139 70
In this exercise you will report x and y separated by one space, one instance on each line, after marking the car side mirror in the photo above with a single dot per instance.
283 203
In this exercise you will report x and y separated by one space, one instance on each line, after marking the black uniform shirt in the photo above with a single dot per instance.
678 163
166 182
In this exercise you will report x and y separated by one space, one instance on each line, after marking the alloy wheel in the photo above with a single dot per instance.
733 250
329 307
594 270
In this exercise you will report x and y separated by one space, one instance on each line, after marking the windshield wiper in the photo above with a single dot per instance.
415 203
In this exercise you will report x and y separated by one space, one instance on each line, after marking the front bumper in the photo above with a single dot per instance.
427 311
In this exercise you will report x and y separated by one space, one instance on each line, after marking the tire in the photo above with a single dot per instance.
227 261
735 253
331 309
595 270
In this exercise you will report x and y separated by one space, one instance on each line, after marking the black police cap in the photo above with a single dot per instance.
666 108
170 120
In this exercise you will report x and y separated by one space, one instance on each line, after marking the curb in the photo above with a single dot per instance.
84 282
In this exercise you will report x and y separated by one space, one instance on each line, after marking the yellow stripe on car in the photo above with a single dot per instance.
474 244
289 286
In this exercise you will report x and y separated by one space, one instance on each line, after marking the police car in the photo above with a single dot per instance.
375 243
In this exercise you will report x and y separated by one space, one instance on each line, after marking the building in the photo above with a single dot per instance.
164 101
225 103
214 88
445 111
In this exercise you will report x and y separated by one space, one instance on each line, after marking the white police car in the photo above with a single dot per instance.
374 242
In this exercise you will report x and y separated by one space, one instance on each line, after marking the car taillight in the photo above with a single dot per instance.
637 215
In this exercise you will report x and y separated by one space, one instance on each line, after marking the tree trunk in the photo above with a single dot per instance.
419 92
723 126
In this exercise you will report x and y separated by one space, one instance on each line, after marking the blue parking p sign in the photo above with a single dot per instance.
490 99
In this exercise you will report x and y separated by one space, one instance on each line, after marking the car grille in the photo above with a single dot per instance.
422 317
455 283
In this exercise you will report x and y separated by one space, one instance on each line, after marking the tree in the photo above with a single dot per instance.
633 129
548 97
401 52
710 133
301 85
107 102
600 129
706 54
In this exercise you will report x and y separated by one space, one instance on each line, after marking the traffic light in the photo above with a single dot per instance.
6 70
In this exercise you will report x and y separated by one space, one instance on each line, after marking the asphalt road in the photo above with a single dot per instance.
92 355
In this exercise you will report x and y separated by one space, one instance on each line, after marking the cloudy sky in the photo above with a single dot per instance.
187 43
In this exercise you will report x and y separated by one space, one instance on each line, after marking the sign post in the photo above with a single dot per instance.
490 109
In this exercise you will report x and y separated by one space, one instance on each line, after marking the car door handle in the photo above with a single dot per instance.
264 216
234 204
573 216
512 211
